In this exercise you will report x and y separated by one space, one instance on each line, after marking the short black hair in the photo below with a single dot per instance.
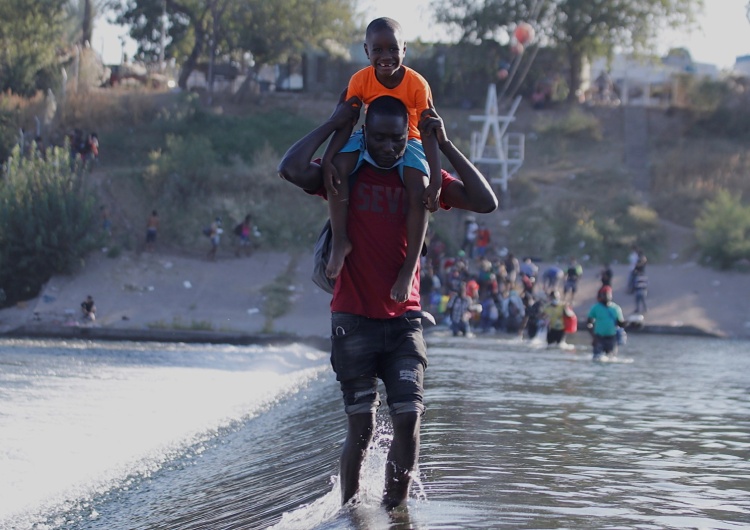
382 23
387 106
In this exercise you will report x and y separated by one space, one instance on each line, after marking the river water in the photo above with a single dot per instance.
171 436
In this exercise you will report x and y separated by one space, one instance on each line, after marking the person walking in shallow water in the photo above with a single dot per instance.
373 336
604 318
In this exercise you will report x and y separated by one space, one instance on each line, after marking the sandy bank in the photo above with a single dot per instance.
177 298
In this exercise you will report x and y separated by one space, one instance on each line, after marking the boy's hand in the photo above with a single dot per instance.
431 196
330 177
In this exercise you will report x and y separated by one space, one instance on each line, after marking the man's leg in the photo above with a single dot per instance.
402 458
358 437
403 377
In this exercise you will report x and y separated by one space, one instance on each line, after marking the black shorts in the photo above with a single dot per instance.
365 349
604 344
555 336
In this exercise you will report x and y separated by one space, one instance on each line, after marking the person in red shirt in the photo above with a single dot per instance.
483 240
374 336
472 289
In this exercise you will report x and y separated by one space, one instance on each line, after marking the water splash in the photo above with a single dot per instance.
365 510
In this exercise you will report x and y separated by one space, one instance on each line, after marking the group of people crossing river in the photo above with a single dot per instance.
495 292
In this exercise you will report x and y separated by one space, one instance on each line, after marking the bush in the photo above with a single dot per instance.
603 230
190 199
576 124
8 134
720 108
723 230
46 217
184 168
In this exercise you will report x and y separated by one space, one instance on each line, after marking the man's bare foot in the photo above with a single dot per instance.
402 287
339 251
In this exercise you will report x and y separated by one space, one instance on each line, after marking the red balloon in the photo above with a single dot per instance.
524 33
516 48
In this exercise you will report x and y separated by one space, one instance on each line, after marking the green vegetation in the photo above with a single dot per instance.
203 165
46 214
8 132
580 29
723 231
267 31
29 35
603 230
575 124
721 108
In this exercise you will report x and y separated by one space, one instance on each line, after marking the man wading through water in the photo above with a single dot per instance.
373 336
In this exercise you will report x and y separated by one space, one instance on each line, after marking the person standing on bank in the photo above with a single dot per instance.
640 289
88 308
373 336
152 227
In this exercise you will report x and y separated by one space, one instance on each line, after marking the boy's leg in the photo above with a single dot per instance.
338 211
416 227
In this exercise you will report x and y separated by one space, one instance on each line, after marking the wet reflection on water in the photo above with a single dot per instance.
515 436
549 439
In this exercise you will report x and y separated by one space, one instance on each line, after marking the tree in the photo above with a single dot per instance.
201 29
29 35
723 230
584 28
46 215
87 27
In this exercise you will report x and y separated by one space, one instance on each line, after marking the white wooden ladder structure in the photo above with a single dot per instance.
506 149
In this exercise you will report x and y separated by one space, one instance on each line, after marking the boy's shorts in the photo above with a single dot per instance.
366 349
413 157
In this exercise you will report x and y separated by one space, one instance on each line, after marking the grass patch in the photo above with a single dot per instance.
277 295
691 171
575 124
178 324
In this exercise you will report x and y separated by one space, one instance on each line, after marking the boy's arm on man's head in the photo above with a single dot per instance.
331 177
296 165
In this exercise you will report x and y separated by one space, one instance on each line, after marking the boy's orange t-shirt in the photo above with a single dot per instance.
413 91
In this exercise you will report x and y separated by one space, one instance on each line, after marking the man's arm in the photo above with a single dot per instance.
472 192
296 166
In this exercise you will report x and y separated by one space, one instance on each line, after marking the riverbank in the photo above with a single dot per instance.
178 298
